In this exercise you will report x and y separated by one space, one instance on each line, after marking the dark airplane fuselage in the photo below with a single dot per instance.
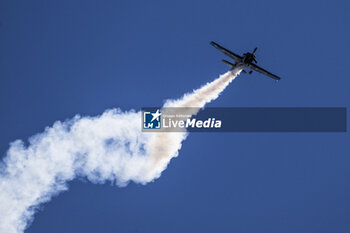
248 58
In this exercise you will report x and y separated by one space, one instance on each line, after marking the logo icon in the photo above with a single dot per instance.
152 119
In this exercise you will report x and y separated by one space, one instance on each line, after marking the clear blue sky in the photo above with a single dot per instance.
61 58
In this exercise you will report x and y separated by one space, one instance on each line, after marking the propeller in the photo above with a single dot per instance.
254 55
255 50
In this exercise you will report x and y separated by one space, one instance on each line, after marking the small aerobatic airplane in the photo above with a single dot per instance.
247 60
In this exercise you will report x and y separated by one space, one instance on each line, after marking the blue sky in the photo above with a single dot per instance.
64 58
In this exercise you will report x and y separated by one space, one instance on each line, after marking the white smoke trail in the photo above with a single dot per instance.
109 147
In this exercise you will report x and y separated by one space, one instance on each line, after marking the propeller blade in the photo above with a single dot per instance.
255 61
255 50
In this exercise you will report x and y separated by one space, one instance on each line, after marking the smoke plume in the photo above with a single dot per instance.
105 148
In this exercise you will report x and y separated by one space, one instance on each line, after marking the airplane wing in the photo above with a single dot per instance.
227 52
261 70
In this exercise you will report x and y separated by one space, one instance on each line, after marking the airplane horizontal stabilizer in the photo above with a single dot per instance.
228 63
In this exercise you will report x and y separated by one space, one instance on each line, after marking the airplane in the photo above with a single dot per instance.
246 61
